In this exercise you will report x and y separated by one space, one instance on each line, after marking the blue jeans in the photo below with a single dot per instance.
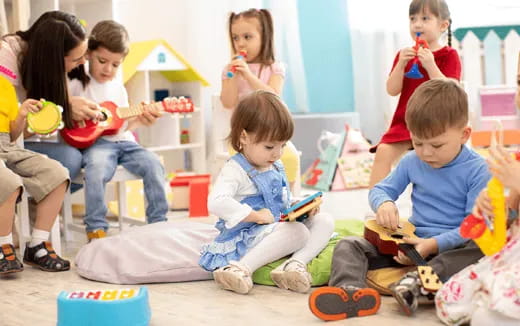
70 157
100 162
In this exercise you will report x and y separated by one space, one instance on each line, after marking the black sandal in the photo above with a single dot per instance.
50 262
9 263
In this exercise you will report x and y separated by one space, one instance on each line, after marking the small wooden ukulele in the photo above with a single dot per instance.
85 133
390 242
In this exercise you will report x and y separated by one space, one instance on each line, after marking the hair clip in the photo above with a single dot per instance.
83 22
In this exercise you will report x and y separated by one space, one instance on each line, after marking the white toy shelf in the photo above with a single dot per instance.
155 65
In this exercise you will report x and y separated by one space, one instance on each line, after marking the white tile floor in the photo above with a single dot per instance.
29 298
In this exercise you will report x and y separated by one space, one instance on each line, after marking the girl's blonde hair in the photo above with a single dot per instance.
262 114
266 56
437 7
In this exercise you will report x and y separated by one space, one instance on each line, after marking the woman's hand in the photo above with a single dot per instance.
387 215
30 106
83 109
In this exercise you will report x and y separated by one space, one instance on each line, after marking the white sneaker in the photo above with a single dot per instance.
292 275
235 277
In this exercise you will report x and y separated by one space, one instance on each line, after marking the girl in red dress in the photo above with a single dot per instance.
430 18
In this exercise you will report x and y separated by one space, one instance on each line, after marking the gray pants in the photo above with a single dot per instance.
353 256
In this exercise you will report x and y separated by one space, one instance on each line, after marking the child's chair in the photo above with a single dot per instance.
23 223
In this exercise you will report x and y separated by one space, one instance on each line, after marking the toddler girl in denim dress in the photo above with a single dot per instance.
249 196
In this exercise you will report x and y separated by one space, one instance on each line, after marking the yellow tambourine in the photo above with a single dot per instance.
45 121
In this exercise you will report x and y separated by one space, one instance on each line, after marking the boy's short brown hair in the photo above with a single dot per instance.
263 114
435 106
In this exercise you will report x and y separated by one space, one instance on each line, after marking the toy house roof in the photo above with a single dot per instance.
158 55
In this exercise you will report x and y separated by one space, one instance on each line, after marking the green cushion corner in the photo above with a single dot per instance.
320 266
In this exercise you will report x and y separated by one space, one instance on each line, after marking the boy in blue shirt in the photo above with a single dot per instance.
446 176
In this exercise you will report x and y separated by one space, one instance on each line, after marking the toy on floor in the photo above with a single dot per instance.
414 72
241 55
119 307
300 211
46 121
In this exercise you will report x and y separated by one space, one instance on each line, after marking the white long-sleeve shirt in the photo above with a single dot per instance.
232 186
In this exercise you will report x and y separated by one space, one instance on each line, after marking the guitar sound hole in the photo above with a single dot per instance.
397 236
104 116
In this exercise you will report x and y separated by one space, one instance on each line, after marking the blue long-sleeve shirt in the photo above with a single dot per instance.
441 197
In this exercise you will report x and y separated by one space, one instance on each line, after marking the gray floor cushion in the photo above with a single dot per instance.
160 252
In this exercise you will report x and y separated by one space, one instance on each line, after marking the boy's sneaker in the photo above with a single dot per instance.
9 263
49 262
409 293
96 234
335 303
235 277
292 275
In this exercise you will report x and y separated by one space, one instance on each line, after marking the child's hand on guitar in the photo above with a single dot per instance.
149 115
425 247
30 106
387 215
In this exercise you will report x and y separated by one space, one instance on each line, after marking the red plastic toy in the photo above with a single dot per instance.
414 72
241 55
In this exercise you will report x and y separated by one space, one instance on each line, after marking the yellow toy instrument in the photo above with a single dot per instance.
45 121
489 240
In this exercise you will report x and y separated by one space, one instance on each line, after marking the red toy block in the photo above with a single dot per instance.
199 191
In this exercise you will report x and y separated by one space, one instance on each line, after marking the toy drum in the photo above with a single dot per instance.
118 307
45 121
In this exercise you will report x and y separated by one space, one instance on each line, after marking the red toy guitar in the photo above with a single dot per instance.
85 133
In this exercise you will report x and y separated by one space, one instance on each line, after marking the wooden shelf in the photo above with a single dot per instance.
173 147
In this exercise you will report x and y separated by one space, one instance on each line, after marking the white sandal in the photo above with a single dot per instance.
235 277
292 275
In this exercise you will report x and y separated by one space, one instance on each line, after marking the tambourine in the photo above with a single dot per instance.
45 121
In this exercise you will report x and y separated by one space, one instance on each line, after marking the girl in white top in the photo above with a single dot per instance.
107 47
249 195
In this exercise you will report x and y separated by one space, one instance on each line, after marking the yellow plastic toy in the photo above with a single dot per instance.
489 241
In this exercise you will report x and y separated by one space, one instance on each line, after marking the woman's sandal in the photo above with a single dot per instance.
50 262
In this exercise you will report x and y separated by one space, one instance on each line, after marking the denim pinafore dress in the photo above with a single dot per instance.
232 244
